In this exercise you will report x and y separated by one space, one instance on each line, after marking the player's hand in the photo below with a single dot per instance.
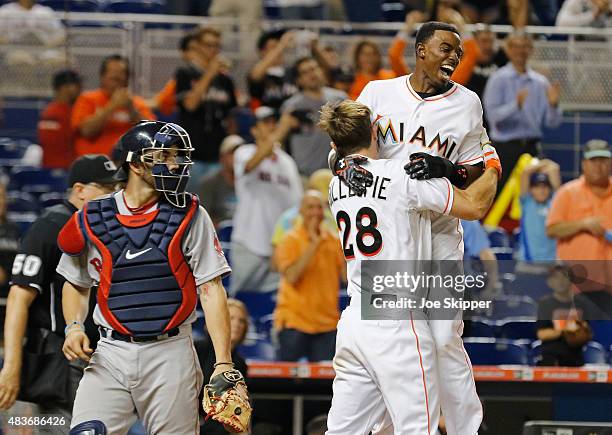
423 166
121 98
593 226
9 387
354 176
521 96
554 93
76 346
491 159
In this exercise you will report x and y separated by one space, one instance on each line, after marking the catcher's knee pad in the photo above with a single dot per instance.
91 427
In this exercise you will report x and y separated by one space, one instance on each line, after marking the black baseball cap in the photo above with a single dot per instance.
92 168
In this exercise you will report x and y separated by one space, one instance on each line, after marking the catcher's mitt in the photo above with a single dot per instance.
577 333
226 400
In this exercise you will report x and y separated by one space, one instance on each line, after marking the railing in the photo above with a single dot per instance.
579 58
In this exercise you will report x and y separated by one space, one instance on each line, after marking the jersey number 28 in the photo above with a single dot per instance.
369 250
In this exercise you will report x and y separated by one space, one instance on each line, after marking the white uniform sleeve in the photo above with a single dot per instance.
435 194
203 250
367 98
74 269
470 151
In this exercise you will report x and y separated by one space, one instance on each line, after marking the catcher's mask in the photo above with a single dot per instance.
170 157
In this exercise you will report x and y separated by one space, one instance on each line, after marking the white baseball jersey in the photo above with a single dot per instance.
447 125
387 223
263 195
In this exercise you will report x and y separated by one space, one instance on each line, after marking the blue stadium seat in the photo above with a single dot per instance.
594 353
259 304
503 254
530 284
499 238
602 331
224 231
481 328
72 5
38 181
51 198
535 352
393 10
197 327
21 202
11 153
363 11
22 220
519 328
257 350
491 351
514 306
135 6
264 325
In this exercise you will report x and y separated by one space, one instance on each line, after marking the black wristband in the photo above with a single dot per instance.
458 175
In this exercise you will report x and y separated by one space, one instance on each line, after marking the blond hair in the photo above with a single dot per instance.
348 124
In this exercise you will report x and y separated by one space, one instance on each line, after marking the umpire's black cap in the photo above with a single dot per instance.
92 168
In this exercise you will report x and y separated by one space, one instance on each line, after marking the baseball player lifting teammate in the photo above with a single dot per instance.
386 371
434 125
151 249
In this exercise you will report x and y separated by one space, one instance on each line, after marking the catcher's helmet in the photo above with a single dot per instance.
161 144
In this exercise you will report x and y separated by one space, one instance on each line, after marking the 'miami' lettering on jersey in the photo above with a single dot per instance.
388 133
377 190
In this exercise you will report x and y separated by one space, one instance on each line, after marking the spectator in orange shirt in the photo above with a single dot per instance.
580 218
101 116
311 264
54 130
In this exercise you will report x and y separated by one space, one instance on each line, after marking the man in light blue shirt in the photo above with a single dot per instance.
518 102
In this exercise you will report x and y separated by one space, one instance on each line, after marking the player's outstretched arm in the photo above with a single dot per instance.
75 305
17 306
474 202
214 303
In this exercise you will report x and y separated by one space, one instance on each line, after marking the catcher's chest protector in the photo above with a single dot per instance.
146 285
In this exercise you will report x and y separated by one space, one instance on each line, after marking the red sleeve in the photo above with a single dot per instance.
70 239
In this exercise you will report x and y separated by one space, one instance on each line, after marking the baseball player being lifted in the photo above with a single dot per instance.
395 359
435 125
151 249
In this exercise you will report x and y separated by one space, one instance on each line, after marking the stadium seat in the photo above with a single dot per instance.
594 353
197 327
257 350
530 284
51 198
514 306
393 10
72 5
602 331
535 352
481 328
11 153
363 11
491 351
21 202
224 231
499 238
38 181
518 328
503 254
259 304
135 6
22 220
264 325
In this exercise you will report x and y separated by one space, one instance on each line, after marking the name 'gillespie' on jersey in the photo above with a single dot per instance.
391 220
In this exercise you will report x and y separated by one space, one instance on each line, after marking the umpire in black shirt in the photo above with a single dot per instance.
38 371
